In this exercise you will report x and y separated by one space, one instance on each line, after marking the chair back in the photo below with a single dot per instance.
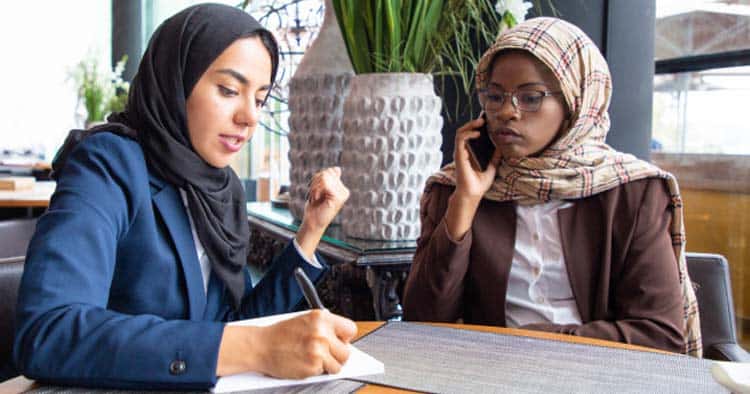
15 235
710 273
11 270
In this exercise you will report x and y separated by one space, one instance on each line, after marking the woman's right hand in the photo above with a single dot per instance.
471 182
310 344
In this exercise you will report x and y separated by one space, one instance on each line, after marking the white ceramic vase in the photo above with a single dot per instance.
391 145
316 98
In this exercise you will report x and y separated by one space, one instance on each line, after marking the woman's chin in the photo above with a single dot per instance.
219 161
513 152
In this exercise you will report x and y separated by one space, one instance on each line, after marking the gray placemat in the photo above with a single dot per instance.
332 387
445 360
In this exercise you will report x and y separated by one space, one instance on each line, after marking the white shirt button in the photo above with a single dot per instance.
540 299
536 236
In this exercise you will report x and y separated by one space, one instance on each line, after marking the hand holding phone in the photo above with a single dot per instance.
482 148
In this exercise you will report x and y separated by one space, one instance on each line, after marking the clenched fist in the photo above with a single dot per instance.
326 197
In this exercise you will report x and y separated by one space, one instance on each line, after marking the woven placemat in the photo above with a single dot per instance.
333 387
426 358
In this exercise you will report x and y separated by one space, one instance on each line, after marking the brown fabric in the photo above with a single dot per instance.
618 253
578 164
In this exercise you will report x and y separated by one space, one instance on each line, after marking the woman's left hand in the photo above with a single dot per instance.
326 196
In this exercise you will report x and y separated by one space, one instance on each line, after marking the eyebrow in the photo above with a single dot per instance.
525 85
239 77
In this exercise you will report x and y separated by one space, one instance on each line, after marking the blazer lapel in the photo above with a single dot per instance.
495 227
581 239
168 202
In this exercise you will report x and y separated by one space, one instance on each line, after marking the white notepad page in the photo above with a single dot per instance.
734 376
358 364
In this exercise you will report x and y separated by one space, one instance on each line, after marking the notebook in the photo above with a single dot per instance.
734 376
359 364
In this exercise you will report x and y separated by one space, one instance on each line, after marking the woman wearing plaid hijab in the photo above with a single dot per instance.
560 233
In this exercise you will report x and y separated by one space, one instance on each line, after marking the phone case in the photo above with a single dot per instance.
482 148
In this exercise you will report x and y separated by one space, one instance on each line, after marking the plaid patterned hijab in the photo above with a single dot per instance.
579 163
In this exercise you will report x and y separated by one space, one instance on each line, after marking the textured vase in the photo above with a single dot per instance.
391 145
316 98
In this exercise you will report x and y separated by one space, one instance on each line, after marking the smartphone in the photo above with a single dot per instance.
482 148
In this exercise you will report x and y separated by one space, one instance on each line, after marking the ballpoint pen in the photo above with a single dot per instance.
308 290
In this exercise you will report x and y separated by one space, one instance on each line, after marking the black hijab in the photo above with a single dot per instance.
178 54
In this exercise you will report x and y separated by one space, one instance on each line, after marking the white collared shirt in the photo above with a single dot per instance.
538 287
203 257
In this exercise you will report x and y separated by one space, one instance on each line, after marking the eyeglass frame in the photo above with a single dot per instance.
514 99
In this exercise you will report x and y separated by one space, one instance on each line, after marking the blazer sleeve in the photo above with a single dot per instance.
278 291
65 333
435 285
645 293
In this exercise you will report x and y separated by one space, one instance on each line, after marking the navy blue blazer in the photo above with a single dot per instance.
112 293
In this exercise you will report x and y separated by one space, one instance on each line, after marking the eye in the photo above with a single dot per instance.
495 97
530 97
225 91
259 102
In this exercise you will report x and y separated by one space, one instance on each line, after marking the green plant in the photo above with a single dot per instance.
391 35
441 37
102 91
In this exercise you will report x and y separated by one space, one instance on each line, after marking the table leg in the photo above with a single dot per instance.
383 283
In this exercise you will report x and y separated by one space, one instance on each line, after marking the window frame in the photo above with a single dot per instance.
705 171
704 62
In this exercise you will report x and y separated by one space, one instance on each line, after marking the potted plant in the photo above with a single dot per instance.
102 91
392 123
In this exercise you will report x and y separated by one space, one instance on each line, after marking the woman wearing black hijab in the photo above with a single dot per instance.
140 258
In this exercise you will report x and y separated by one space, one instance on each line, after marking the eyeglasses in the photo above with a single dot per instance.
523 100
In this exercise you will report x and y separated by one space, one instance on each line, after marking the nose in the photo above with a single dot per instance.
508 109
248 114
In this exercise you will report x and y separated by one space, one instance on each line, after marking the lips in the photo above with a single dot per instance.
506 135
232 142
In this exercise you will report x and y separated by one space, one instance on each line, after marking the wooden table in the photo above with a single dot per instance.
21 384
37 197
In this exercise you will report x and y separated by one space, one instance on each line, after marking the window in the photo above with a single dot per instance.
701 132
295 23
38 98
702 52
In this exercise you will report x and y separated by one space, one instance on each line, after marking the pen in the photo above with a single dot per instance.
308 290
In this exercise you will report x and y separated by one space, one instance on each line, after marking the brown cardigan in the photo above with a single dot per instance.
618 254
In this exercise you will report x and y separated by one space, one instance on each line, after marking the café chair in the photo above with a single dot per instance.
11 270
710 274
15 235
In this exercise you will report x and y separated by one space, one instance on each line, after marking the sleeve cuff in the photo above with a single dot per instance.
315 263
466 239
